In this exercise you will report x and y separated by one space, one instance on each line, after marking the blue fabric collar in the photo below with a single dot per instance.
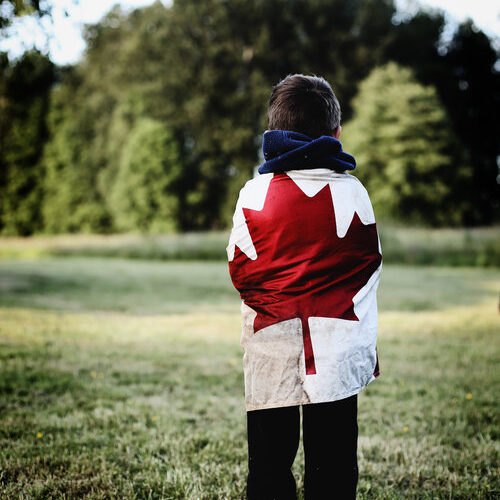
285 150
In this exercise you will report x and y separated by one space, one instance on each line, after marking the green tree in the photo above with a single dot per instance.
93 111
10 9
24 95
409 159
223 58
204 70
463 72
72 201
144 194
471 93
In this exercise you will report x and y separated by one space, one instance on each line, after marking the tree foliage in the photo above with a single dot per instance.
24 95
72 163
408 157
471 93
204 71
10 9
144 192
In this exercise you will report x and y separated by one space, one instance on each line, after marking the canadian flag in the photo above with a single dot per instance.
305 256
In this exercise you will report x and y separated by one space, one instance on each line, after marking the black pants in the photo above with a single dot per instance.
330 435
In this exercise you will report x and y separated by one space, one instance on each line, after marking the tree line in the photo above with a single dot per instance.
159 125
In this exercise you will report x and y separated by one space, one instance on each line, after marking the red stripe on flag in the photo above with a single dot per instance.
308 348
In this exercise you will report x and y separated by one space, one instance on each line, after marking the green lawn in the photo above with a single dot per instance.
476 247
123 379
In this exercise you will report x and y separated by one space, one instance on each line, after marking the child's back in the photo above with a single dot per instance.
306 247
304 255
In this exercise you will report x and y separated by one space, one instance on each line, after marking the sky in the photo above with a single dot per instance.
66 44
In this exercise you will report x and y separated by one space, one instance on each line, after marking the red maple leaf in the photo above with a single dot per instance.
303 269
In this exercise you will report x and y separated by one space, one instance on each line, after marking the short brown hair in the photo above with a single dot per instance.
304 104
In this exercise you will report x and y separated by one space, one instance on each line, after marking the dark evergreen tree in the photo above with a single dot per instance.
24 93
471 94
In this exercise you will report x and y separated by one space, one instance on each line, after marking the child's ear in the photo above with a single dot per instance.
336 132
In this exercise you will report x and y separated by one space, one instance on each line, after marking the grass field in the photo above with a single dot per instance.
478 247
122 379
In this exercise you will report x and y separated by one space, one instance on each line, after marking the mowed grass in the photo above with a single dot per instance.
123 379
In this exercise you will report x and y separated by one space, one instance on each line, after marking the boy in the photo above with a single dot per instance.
305 256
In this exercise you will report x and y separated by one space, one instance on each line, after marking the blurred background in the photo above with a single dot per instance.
126 131
149 119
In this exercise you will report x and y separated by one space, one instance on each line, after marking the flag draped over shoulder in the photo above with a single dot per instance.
305 256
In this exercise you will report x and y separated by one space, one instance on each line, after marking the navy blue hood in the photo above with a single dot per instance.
284 150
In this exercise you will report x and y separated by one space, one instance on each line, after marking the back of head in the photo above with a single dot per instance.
304 104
